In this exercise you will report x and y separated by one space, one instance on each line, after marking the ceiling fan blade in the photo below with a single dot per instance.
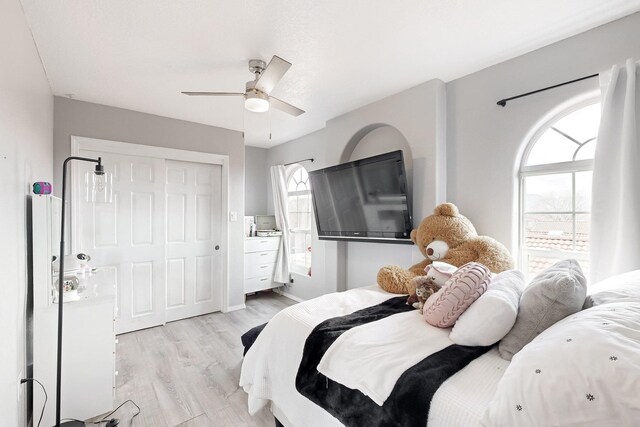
283 106
272 74
213 93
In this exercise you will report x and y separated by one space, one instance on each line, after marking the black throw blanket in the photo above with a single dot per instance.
249 337
407 405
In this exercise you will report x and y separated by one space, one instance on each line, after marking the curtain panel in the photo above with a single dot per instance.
615 212
279 185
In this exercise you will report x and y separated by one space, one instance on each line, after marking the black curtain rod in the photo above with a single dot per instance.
503 102
299 161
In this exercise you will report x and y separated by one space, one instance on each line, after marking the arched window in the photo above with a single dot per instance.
300 217
555 191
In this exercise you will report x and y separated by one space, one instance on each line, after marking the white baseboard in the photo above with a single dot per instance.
288 295
235 307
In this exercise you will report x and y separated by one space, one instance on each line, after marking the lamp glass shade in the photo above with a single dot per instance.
257 105
99 187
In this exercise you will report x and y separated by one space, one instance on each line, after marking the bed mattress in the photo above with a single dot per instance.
270 367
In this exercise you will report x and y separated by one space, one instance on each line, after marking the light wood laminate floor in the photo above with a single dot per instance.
186 373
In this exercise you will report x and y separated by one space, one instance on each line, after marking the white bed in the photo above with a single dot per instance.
584 370
270 367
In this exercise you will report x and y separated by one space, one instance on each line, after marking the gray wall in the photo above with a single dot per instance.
117 124
477 167
255 180
26 128
417 116
486 142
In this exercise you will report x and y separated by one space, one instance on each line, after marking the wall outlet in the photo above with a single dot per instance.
233 216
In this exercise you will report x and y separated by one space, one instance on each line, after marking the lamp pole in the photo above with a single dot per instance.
99 170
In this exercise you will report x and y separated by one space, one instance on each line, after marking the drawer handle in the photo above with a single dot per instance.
262 280
264 254
264 241
264 266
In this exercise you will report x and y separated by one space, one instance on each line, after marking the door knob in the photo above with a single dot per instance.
217 247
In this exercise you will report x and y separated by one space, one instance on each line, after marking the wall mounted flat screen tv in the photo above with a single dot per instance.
364 200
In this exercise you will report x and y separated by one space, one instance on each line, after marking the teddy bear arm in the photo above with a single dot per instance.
494 255
394 279
484 250
418 269
461 255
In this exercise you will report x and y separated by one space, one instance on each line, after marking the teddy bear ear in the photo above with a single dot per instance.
446 209
414 235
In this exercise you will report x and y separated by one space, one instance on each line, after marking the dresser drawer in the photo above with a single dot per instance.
261 244
265 257
259 270
256 284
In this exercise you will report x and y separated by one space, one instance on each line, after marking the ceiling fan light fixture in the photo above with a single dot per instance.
256 101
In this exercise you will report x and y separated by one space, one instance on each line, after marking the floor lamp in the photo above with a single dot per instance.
100 188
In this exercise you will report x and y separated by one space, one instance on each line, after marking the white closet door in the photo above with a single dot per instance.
128 236
193 239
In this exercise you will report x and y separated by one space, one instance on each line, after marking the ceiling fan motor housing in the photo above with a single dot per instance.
257 66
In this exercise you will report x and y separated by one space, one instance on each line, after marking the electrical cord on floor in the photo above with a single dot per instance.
106 418
103 420
44 405
84 422
121 405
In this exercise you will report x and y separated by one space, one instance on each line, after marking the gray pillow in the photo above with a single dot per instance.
553 295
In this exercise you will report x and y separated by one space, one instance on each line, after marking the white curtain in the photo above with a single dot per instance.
615 212
279 185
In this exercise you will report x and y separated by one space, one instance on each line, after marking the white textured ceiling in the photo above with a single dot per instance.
139 54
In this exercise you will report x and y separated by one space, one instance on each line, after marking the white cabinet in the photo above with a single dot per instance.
88 361
260 255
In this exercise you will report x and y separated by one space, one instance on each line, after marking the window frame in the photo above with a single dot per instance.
573 167
293 266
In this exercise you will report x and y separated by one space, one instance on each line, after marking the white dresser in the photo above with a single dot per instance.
89 342
260 255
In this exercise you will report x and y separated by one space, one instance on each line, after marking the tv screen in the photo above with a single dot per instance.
365 199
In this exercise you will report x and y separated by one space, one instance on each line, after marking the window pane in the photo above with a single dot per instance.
582 124
560 142
548 231
304 204
587 151
551 147
304 176
291 184
583 232
299 209
583 191
537 264
303 223
548 193
294 220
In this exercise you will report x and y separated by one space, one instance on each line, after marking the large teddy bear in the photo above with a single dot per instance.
449 237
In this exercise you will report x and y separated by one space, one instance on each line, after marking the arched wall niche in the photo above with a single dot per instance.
379 138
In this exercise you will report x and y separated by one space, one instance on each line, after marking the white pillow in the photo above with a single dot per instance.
623 287
582 371
493 315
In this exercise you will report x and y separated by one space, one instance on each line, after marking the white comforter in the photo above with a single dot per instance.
270 367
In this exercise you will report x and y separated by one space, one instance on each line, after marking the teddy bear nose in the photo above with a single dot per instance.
429 251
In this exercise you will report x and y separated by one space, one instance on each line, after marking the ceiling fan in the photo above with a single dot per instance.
256 95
